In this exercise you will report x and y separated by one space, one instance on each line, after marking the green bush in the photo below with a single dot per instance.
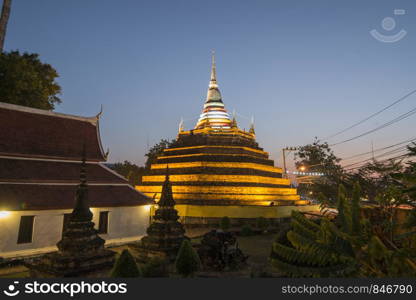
246 230
187 261
262 223
125 266
225 223
155 267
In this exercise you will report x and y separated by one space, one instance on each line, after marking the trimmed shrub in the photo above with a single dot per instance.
187 261
155 267
225 223
125 266
246 230
262 223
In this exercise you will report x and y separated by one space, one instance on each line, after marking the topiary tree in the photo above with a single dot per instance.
225 223
125 266
262 223
155 267
187 261
246 230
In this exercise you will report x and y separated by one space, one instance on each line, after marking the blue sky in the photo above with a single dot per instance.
301 68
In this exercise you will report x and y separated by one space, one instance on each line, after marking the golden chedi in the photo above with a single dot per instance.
219 170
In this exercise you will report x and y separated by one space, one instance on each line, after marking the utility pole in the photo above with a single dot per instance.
4 18
372 149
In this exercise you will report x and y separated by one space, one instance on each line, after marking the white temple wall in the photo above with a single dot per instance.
125 224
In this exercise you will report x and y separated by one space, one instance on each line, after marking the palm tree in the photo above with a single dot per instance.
5 13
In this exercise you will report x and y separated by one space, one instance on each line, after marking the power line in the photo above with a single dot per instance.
401 149
395 151
371 116
408 141
390 158
395 120
379 149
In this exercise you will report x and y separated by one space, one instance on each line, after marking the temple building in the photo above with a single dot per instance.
40 160
218 169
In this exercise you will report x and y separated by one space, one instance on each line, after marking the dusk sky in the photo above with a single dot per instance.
301 68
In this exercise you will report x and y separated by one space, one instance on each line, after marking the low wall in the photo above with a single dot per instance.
238 214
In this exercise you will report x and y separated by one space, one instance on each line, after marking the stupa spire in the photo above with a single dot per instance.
214 114
213 81
166 199
252 126
234 121
82 210
180 125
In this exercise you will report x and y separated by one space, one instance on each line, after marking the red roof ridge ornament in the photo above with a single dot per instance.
97 116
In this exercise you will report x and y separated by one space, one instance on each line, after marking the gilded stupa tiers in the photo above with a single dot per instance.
218 164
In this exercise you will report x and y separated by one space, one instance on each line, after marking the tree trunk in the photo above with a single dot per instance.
5 13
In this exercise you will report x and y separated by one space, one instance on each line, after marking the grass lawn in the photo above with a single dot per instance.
14 272
258 247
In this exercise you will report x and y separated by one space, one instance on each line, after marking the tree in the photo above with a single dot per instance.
25 80
355 209
319 157
331 248
125 266
406 181
132 172
187 261
156 151
4 19
407 178
375 177
343 209
225 223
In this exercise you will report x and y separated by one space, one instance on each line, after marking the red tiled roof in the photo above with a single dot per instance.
40 197
40 155
40 171
28 132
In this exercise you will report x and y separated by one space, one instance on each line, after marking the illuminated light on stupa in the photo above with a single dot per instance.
214 114
218 169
